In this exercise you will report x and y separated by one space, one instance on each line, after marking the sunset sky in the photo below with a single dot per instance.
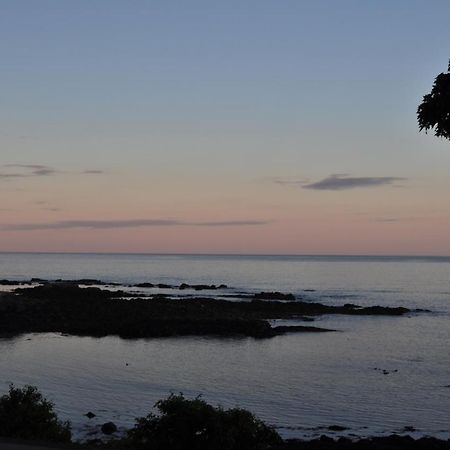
281 126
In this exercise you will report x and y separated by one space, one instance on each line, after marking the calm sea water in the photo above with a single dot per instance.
301 383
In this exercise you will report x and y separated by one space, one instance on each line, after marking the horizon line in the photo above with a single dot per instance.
347 255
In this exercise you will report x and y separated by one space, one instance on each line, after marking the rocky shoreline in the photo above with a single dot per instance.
28 421
392 442
77 307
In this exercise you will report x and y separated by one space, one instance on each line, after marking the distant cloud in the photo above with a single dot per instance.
289 181
30 170
27 166
92 171
230 223
44 171
337 182
107 224
36 170
396 219
7 176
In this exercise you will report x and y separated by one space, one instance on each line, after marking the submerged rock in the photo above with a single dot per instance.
109 428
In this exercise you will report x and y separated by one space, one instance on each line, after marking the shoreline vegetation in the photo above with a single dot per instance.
93 308
28 419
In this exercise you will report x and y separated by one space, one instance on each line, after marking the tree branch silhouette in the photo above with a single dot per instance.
434 111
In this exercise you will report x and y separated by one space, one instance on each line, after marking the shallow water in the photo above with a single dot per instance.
297 382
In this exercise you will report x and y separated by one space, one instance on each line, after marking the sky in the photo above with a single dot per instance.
259 126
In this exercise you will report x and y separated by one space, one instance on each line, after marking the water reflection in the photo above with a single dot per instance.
297 382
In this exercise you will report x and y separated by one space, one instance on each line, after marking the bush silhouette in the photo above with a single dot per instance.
26 414
434 111
195 425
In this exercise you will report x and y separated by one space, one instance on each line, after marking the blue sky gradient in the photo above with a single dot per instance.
227 96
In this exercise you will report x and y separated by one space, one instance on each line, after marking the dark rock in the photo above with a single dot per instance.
381 311
393 442
200 287
9 283
65 291
337 428
67 308
90 415
396 441
429 443
95 442
299 329
160 296
144 285
85 281
164 286
273 296
38 280
109 428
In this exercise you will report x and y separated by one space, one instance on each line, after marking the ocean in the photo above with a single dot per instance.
375 375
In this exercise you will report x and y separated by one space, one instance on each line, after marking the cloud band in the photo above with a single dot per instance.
135 223
341 182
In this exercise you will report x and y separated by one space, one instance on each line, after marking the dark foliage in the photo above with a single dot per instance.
26 414
434 111
195 425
